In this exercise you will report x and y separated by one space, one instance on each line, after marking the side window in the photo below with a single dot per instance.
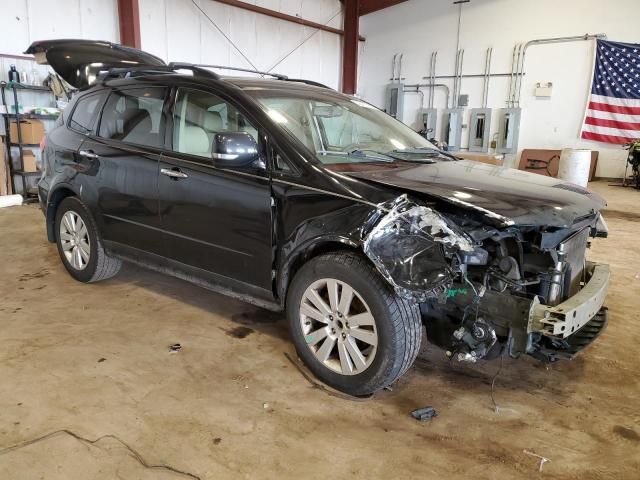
85 112
135 116
281 165
199 116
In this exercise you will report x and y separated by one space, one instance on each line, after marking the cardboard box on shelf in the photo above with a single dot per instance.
29 161
32 131
4 174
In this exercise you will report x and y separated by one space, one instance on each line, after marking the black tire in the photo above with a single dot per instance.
397 322
100 266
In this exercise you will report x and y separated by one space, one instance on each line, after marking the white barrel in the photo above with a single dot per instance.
574 166
10 200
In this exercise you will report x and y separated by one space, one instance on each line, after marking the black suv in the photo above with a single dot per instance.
292 196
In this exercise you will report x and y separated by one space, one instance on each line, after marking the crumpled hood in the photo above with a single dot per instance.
503 195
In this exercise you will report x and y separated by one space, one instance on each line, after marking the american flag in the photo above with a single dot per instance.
613 112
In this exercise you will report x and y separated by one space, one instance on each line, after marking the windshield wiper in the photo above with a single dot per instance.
359 153
426 153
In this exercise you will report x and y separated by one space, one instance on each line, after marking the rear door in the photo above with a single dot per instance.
215 219
128 144
64 141
79 62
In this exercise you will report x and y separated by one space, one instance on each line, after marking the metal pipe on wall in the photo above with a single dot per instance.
458 80
393 67
433 86
513 71
455 79
487 77
432 73
545 41
515 76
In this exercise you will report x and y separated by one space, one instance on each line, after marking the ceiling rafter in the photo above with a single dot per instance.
370 6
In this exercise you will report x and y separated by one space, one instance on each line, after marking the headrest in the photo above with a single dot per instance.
136 125
212 121
194 140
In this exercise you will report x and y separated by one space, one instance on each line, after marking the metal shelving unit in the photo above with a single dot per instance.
28 192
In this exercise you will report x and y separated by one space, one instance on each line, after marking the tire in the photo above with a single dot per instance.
396 329
81 250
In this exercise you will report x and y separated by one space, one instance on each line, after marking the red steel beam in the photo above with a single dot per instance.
350 46
370 6
282 16
129 17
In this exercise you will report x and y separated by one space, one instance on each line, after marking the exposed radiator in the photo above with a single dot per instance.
575 249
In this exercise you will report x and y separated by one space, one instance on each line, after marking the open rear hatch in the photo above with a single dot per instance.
79 62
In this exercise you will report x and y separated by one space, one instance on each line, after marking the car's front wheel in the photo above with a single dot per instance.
79 243
349 326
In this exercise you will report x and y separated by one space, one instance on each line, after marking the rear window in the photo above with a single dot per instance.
85 112
135 116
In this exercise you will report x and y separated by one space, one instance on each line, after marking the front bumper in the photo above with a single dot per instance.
563 320
569 327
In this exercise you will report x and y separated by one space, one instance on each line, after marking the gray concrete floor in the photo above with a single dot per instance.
91 362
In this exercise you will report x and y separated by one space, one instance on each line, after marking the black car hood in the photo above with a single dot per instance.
78 62
505 196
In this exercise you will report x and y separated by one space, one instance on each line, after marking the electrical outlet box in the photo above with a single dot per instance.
452 121
395 100
463 100
429 117
508 130
480 121
544 90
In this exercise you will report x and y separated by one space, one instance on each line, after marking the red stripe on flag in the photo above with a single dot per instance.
606 138
605 107
601 122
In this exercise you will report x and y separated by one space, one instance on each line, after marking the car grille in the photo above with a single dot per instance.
575 249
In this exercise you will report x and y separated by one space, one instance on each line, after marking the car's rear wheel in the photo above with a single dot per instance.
349 327
79 243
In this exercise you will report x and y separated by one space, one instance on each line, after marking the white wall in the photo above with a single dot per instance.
176 30
418 27
25 21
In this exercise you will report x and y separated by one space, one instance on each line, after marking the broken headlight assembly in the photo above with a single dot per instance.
418 250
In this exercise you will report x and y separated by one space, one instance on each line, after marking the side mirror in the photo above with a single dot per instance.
234 149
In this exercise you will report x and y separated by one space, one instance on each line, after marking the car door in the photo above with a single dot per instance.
215 218
128 144
65 139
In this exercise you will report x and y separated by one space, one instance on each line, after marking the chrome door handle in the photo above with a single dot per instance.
175 174
87 154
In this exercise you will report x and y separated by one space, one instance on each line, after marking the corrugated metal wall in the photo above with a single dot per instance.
176 30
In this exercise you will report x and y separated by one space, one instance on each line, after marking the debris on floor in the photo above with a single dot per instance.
424 414
175 348
543 460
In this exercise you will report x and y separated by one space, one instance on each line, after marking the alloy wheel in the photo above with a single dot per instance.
338 326
74 240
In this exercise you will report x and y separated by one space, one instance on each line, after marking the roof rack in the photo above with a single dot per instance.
197 69
309 82
238 69
124 72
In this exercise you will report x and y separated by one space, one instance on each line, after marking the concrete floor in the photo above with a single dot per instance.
93 360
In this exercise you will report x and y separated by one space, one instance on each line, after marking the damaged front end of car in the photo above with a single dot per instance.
484 290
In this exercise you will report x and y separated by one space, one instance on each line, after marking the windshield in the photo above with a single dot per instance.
341 129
